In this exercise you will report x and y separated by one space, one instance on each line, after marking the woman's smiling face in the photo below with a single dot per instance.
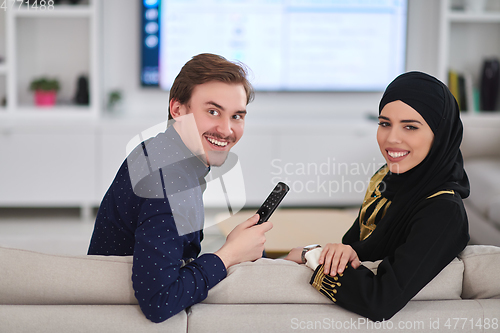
403 136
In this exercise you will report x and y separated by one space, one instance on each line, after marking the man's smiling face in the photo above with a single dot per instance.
219 111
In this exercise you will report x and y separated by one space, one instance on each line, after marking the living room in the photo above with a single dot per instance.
94 137
60 159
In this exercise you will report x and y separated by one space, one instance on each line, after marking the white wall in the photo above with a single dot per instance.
121 59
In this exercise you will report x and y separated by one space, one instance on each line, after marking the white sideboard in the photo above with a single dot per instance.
72 163
326 163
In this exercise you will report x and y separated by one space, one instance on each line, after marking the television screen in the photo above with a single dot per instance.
150 41
289 45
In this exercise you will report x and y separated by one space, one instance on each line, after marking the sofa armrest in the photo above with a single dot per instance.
481 271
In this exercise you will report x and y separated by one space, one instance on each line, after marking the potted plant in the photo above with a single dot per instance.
114 100
45 91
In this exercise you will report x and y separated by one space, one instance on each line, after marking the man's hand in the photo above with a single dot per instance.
336 256
245 242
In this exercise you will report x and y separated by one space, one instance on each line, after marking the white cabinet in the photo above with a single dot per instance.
329 166
54 41
481 135
48 154
325 163
47 165
255 151
468 36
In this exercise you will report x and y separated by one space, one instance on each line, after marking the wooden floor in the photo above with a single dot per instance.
63 231
297 227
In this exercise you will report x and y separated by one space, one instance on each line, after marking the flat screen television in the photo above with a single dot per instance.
289 45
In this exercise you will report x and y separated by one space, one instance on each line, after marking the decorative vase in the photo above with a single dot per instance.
490 81
82 91
45 98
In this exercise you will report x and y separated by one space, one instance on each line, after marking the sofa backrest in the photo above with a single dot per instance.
36 278
283 281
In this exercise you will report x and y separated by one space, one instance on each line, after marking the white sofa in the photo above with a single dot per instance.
483 204
49 293
481 151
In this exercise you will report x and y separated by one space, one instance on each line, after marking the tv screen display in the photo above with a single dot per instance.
289 45
150 43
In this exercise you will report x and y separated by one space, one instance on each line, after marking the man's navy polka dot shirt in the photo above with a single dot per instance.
153 210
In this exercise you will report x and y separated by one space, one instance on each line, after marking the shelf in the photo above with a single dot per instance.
66 11
466 17
60 109
486 115
467 39
64 112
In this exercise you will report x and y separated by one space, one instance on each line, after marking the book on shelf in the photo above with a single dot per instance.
462 87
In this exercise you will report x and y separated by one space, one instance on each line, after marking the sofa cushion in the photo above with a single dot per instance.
415 317
270 281
481 271
37 278
84 319
484 177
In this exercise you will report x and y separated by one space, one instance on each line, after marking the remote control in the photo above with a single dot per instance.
272 202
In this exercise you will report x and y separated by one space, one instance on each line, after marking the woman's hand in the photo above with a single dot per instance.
295 255
336 256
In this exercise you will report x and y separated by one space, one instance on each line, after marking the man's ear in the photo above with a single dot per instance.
175 108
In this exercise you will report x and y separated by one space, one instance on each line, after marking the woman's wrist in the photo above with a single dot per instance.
307 249
312 258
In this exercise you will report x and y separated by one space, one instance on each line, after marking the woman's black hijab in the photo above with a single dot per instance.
443 166
442 169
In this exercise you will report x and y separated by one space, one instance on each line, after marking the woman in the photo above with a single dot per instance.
412 218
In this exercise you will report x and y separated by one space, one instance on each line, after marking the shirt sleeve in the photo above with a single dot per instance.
438 233
162 285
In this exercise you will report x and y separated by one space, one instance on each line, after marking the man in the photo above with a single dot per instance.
154 211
